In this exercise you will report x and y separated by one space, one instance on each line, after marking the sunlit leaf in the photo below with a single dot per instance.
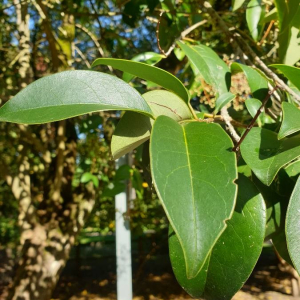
223 100
142 70
211 67
291 120
266 155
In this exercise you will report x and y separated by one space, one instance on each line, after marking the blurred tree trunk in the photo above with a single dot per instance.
49 223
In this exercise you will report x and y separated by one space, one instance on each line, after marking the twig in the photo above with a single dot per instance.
182 35
266 33
83 57
227 120
94 39
236 148
238 42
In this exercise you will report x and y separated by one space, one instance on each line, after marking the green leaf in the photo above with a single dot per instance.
271 15
142 70
293 169
211 67
291 120
266 155
223 100
87 177
254 14
293 226
291 73
134 129
253 105
257 83
193 166
235 253
149 58
69 94
236 4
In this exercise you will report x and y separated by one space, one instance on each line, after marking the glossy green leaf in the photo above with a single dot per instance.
291 120
142 70
266 155
149 58
235 253
293 169
291 73
253 106
223 100
211 67
254 14
293 226
69 94
257 83
134 129
236 4
192 166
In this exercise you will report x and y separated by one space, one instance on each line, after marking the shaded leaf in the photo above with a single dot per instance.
293 226
211 67
291 120
266 155
193 165
235 253
69 94
134 129
142 70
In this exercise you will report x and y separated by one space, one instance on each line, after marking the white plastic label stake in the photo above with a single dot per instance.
123 244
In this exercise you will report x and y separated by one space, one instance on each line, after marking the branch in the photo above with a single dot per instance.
182 35
228 121
239 43
83 57
94 39
260 110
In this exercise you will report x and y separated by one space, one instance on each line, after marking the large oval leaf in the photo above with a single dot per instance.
266 155
69 94
193 170
211 67
235 253
291 120
134 129
257 83
147 72
293 226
